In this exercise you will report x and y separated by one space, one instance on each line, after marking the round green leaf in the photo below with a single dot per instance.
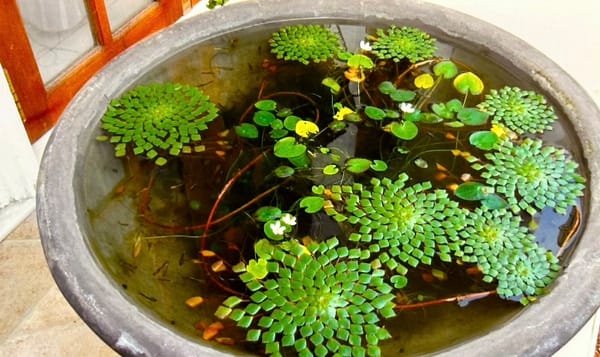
454 104
386 87
312 204
442 110
493 201
406 130
263 118
484 140
358 60
332 84
331 170
468 82
402 95
290 122
375 113
379 166
288 148
267 213
447 69
266 104
284 171
358 165
470 191
472 116
246 130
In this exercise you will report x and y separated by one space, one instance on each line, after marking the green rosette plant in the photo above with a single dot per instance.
305 43
398 43
401 224
506 251
519 110
319 300
158 120
532 176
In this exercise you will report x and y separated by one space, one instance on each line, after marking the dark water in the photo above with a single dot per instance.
147 234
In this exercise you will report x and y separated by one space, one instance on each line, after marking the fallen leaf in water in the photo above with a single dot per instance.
218 266
194 301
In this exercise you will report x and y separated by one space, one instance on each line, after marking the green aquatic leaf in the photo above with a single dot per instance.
258 268
484 140
406 130
332 84
263 118
402 95
361 61
288 148
312 204
246 130
447 69
266 105
267 213
471 191
386 87
375 113
472 116
284 171
330 170
379 166
358 165
468 82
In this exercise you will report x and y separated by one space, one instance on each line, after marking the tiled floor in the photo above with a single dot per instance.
35 319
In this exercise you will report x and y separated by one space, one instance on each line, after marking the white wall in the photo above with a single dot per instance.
19 165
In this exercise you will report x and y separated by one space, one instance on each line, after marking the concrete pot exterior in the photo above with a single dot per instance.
539 330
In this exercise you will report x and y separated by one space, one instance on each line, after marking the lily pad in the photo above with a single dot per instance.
484 140
267 213
284 171
424 81
379 166
330 170
375 113
263 118
455 105
446 69
332 84
312 204
468 82
470 191
406 130
288 148
246 130
305 128
290 122
266 104
442 110
386 87
402 95
358 165
472 116
361 61
493 201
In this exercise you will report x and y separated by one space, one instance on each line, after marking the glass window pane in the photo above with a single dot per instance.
121 11
59 32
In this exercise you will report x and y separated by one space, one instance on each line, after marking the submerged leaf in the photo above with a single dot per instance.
472 116
246 130
470 191
484 140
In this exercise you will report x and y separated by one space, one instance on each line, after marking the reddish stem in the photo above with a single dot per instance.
460 298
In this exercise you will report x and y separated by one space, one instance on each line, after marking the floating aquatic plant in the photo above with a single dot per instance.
305 43
402 224
506 251
398 43
519 110
532 176
159 120
320 300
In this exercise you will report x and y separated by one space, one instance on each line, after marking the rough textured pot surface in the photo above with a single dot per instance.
540 329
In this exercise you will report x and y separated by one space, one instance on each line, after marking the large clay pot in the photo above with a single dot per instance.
73 160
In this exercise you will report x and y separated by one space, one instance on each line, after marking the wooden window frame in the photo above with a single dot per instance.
42 104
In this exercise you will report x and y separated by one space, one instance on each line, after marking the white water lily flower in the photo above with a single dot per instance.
288 219
407 108
365 46
277 228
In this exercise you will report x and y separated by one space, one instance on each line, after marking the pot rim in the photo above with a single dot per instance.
541 329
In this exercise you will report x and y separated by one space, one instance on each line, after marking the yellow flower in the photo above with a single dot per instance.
305 128
502 132
342 113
